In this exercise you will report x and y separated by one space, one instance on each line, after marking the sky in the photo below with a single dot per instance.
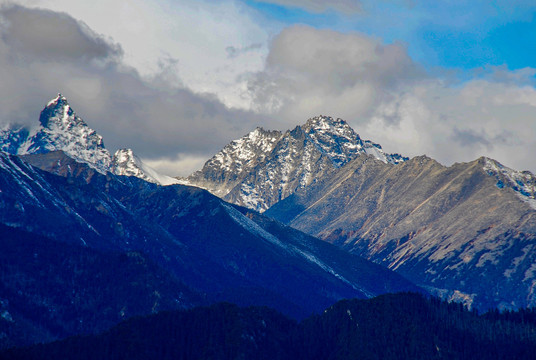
176 80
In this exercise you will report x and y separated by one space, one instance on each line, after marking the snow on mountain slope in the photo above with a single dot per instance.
12 137
124 162
61 129
25 192
341 143
294 163
467 231
264 167
240 152
254 228
224 170
224 252
522 182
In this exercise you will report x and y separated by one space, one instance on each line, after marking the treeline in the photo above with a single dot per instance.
395 326
411 326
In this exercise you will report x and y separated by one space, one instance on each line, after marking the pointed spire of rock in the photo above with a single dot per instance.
62 129
56 100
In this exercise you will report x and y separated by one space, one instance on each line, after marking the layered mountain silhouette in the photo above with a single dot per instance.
181 245
465 232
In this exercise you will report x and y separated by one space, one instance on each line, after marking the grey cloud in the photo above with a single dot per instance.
525 76
320 6
388 98
52 36
233 52
156 119
342 59
471 138
309 71
461 123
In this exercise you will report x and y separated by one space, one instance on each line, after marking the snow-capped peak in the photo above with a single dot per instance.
56 100
522 182
336 139
264 167
61 129
242 151
58 109
124 162
225 169
322 122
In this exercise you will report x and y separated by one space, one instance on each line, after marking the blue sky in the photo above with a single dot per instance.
452 34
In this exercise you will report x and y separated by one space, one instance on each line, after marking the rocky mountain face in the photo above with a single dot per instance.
125 163
192 242
264 167
465 232
61 129
227 168
58 162
444 228
523 183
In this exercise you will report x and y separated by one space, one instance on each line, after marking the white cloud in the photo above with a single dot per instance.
183 48
194 33
453 124
179 165
155 119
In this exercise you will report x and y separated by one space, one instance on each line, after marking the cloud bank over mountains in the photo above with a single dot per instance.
390 98
252 72
159 121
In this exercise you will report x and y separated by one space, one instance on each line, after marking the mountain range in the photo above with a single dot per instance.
458 231
73 230
264 167
295 220
444 228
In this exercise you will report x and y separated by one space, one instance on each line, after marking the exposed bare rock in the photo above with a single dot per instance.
463 231
264 167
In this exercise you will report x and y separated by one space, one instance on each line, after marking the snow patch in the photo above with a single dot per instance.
336 139
6 316
124 162
61 129
522 182
255 229
56 100
252 226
